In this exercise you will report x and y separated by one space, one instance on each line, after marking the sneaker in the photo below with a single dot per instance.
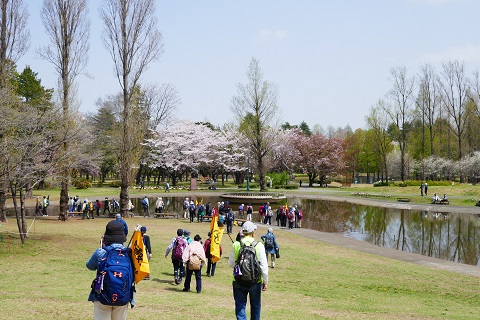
273 264
177 281
185 290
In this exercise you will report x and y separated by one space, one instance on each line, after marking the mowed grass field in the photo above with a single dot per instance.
47 279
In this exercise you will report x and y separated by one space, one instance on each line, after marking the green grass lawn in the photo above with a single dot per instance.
47 279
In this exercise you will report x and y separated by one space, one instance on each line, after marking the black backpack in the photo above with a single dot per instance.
247 265
269 243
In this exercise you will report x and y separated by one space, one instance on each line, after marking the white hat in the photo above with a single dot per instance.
248 227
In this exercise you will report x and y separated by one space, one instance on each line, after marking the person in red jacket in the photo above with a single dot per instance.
210 264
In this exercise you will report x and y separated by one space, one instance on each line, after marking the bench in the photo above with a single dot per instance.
164 215
441 202
404 199
207 218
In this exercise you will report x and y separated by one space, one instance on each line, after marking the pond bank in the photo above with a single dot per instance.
342 241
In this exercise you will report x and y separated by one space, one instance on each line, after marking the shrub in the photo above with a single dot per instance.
82 183
252 186
287 187
115 184
380 184
278 179
400 184
443 183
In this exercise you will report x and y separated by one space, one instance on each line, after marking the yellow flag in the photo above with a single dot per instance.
141 268
215 238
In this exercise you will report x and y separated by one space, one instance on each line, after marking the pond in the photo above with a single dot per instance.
452 236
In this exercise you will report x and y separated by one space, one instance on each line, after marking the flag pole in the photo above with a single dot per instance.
137 228
230 237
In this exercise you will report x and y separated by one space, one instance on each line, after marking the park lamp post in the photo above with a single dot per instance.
248 174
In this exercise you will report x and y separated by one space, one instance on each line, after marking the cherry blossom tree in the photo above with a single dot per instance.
317 155
438 167
185 145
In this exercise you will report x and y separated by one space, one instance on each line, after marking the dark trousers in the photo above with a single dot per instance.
240 294
198 279
268 220
229 226
178 269
211 267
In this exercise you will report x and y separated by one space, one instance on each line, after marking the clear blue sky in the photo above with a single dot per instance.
330 59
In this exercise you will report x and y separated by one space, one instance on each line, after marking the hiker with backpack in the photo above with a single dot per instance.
186 206
145 206
229 218
147 244
250 272
261 212
85 209
177 246
201 212
268 216
98 206
193 258
186 236
271 245
106 206
46 204
111 293
249 212
191 210
118 217
291 218
159 205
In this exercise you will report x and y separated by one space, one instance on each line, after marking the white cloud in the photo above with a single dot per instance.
468 53
265 34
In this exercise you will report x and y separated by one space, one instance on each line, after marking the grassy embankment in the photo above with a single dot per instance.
47 279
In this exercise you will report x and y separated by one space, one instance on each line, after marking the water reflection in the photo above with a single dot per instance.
454 237
448 236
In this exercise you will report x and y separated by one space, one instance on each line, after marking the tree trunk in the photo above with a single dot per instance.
63 215
20 220
3 199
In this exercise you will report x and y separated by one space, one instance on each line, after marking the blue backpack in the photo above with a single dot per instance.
115 278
